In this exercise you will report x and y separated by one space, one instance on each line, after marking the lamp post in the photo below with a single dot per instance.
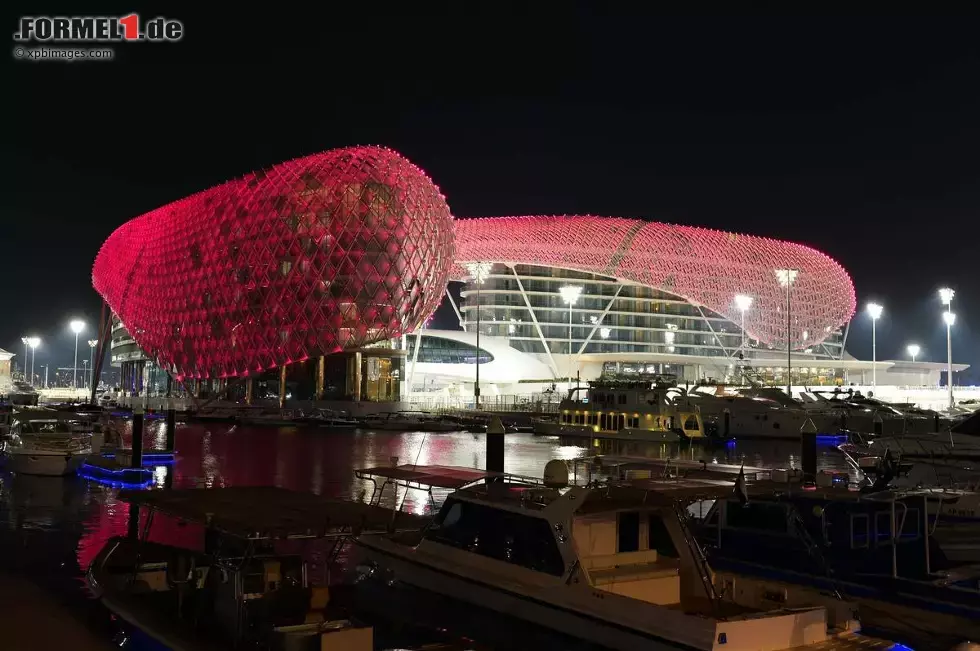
33 342
92 343
786 278
743 302
478 272
26 342
76 327
874 311
570 294
946 296
913 350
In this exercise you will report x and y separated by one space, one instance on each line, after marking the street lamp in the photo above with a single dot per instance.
76 327
743 302
33 342
786 278
950 319
946 296
570 294
913 350
92 343
478 273
874 311
25 341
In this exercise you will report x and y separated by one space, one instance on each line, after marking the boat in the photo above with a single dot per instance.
615 565
882 549
328 419
41 443
238 591
622 410
270 417
22 393
960 442
410 421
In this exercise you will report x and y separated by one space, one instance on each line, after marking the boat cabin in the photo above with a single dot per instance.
610 406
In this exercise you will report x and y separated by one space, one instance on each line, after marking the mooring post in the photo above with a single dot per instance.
171 426
495 446
808 451
137 458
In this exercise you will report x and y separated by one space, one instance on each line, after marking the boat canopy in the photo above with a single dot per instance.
450 477
268 512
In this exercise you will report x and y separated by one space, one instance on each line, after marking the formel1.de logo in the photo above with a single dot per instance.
97 29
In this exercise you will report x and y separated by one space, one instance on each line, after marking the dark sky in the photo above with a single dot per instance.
859 137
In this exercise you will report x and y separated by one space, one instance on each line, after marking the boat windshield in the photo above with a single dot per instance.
45 427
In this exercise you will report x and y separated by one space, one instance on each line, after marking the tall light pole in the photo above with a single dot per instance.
786 278
743 302
570 294
92 343
33 342
478 272
26 342
946 296
874 311
76 327
913 350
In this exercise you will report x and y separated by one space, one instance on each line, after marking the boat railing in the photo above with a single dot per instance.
697 553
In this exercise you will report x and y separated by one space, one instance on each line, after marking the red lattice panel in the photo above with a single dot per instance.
706 267
312 256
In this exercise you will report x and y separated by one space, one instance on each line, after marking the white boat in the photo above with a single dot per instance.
269 417
410 421
960 442
612 565
47 446
328 419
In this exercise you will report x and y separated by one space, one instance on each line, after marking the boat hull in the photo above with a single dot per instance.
44 464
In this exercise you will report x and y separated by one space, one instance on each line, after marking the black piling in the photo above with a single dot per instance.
808 452
936 420
133 528
171 428
495 445
137 459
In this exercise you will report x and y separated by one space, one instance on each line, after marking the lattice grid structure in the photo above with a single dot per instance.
706 267
309 257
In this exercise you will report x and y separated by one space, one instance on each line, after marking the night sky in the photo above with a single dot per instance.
857 137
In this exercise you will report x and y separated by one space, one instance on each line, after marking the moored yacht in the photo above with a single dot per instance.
43 444
411 421
960 441
624 410
614 565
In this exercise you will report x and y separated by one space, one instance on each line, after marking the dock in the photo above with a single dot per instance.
31 620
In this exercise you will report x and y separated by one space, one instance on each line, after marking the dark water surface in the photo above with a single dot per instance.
51 528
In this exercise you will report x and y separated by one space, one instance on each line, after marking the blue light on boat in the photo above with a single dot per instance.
112 483
150 458
899 647
831 439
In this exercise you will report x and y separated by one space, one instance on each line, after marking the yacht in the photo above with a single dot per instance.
883 549
411 421
22 393
623 409
960 442
859 413
613 565
328 419
44 444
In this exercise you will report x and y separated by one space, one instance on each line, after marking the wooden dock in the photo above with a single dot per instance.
31 619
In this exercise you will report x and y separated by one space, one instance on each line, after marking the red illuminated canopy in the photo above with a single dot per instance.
704 266
309 257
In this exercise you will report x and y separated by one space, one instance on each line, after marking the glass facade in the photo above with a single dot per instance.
608 317
445 351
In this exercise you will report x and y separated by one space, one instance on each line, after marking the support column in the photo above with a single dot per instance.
357 376
321 366
282 386
249 390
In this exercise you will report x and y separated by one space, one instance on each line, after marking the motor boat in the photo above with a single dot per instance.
22 393
867 415
44 444
328 419
960 442
883 549
270 417
411 421
613 565
239 592
622 410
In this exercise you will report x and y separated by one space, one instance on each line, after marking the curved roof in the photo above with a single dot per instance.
308 257
704 266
